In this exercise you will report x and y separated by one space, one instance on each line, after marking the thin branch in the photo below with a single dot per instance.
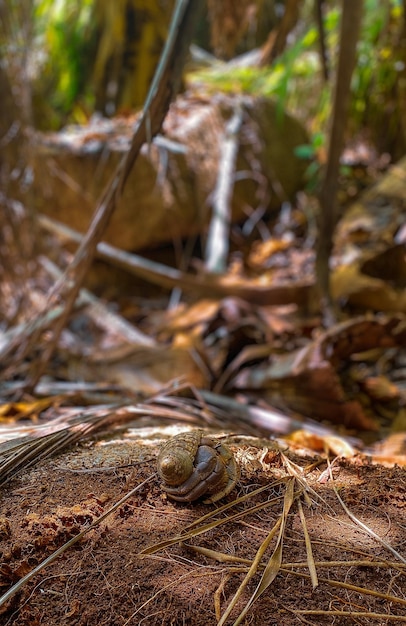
302 293
349 33
217 241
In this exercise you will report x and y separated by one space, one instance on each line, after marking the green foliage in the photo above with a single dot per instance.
309 152
65 56
377 69
299 62
63 42
295 81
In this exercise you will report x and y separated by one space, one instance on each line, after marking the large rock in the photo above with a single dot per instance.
168 194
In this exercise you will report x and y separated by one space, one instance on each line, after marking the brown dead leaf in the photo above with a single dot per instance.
371 268
309 381
350 286
381 388
391 450
389 265
263 250
147 371
317 443
189 316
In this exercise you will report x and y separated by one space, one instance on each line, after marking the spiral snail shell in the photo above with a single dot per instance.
175 460
193 465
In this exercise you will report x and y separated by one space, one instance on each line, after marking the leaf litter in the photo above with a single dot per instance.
99 506
176 557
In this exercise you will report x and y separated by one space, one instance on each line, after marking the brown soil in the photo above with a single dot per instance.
103 581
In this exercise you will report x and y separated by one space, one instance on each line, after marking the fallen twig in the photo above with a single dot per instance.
217 240
205 285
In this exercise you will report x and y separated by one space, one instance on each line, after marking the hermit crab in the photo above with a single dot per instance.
193 465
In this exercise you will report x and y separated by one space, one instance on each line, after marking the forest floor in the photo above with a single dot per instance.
253 348
103 580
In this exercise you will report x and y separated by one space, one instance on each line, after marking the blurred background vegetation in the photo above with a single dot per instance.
66 60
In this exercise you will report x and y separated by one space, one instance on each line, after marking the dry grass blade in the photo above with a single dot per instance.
362 590
252 570
296 471
355 563
384 617
239 500
221 557
309 551
194 532
274 563
52 557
